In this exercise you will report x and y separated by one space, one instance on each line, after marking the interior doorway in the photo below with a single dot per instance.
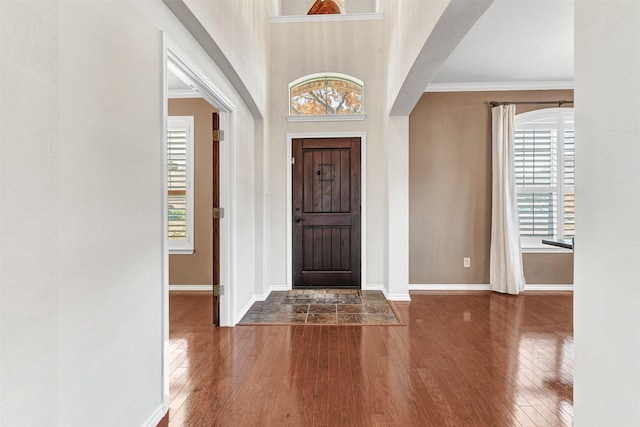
178 64
193 181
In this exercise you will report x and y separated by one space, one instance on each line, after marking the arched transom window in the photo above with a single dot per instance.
326 95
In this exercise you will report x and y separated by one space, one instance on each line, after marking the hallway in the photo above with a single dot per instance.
462 359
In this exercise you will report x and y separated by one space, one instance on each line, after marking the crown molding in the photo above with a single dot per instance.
182 93
498 86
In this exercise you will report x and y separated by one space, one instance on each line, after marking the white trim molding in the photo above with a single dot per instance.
449 287
328 118
289 19
191 288
397 297
244 309
498 86
183 93
156 416
549 287
387 295
271 288
377 287
485 287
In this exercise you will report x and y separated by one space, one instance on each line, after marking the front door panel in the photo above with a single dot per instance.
326 212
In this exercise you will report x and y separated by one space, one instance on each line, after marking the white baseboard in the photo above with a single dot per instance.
449 287
484 287
195 288
155 417
387 295
280 287
549 287
243 310
272 288
398 297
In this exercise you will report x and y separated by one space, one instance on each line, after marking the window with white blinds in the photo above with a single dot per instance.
544 151
179 179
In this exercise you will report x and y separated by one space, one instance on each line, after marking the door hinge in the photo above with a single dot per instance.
218 213
217 135
218 290
293 160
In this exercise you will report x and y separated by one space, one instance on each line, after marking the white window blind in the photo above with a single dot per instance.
544 167
179 183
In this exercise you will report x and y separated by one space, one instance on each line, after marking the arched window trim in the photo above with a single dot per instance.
326 75
326 117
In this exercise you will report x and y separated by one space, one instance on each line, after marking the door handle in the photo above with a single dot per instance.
299 218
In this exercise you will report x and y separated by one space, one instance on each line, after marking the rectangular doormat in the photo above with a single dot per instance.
322 307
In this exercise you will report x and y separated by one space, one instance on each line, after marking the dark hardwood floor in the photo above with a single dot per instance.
480 359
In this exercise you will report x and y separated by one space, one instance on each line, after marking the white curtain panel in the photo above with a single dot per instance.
505 272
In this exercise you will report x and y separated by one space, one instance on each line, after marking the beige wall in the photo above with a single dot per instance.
196 269
548 268
450 190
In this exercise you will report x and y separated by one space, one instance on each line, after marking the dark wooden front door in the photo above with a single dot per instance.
326 212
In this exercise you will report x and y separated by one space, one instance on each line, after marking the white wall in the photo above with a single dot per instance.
407 27
81 202
29 204
397 135
421 36
607 271
241 30
299 49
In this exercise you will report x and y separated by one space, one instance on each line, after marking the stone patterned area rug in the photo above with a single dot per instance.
322 307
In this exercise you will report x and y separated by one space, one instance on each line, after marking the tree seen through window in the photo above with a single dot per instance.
326 95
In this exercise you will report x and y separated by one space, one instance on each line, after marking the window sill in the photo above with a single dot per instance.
328 118
287 19
181 251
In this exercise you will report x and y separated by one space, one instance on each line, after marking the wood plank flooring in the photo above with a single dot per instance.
479 359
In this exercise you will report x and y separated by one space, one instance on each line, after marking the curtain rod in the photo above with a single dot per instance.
560 102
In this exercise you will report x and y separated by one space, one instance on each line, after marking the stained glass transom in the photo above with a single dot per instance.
326 95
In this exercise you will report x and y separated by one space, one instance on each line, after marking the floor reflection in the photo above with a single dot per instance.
458 359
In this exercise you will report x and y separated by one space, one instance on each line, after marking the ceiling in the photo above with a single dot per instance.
175 83
515 41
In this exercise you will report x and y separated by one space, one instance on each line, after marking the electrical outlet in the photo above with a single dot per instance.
467 262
